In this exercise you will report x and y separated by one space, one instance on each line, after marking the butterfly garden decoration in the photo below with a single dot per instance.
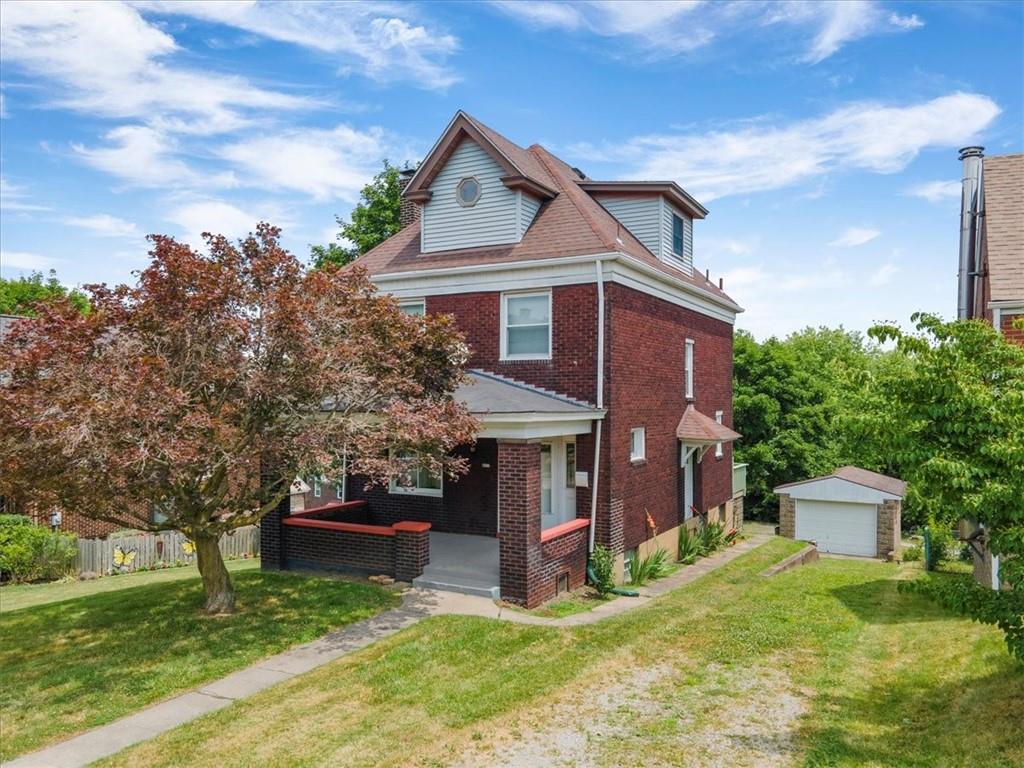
123 559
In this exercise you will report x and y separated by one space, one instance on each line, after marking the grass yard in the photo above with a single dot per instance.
821 665
18 596
72 665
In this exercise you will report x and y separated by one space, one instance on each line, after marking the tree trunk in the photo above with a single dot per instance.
220 592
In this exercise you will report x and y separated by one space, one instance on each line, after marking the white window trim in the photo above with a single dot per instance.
719 415
642 432
413 303
318 490
458 191
504 324
401 490
688 364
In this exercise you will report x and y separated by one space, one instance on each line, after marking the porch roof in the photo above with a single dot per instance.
510 408
696 428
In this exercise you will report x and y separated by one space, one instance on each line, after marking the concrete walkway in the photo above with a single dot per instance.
416 604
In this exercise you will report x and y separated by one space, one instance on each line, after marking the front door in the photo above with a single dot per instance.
557 481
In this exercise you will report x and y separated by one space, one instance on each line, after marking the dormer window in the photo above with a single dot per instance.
677 236
468 192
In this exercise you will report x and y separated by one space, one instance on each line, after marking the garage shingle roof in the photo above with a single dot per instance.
1004 225
891 485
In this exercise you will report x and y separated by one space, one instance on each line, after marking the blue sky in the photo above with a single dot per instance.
822 137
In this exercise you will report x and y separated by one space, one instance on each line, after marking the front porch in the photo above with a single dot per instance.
515 526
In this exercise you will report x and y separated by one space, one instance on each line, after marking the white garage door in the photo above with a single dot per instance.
836 526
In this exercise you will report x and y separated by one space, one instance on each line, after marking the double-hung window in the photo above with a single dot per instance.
415 480
718 446
317 487
689 369
526 326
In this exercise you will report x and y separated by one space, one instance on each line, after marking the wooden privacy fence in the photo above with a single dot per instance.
123 553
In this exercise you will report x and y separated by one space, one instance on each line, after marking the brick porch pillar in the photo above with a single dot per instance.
519 521
412 549
272 551
787 516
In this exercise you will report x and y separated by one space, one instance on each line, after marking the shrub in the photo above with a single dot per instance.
912 553
710 539
602 563
31 553
643 569
687 551
941 545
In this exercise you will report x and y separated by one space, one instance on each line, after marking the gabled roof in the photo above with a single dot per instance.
489 393
697 428
879 482
521 168
571 223
1004 226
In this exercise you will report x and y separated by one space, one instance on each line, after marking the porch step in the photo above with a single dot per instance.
461 585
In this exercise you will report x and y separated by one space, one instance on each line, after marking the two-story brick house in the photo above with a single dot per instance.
601 370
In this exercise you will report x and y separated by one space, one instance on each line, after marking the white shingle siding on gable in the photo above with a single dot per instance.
492 221
528 207
666 226
650 220
639 215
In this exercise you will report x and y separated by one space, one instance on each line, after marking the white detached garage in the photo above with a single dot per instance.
852 512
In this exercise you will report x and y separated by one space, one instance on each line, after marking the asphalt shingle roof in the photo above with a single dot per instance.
1004 225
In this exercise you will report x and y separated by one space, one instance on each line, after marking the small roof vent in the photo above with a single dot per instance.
578 172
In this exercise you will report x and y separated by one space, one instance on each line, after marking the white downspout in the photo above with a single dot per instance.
600 402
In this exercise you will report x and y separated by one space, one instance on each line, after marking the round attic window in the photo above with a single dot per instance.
468 192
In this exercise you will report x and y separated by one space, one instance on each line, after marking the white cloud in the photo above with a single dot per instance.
854 236
145 157
937 191
25 260
655 25
669 28
14 198
325 164
220 218
105 59
372 36
884 275
762 156
104 224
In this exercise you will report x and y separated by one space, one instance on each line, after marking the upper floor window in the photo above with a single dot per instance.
526 326
417 307
689 369
718 446
677 236
637 444
468 192
317 487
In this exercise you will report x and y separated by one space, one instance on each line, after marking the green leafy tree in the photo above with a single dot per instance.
374 219
788 396
19 295
952 419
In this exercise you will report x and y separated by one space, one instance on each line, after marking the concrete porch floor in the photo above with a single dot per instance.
466 564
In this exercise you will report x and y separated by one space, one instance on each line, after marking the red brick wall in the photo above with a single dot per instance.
566 554
573 365
646 383
1015 335
519 501
469 505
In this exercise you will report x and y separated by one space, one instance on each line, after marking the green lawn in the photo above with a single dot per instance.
821 665
71 665
18 596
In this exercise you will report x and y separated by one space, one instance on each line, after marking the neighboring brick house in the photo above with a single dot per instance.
991 275
600 370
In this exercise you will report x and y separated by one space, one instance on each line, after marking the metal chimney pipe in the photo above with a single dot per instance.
971 157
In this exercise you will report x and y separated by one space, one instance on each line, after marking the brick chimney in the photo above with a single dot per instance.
410 211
